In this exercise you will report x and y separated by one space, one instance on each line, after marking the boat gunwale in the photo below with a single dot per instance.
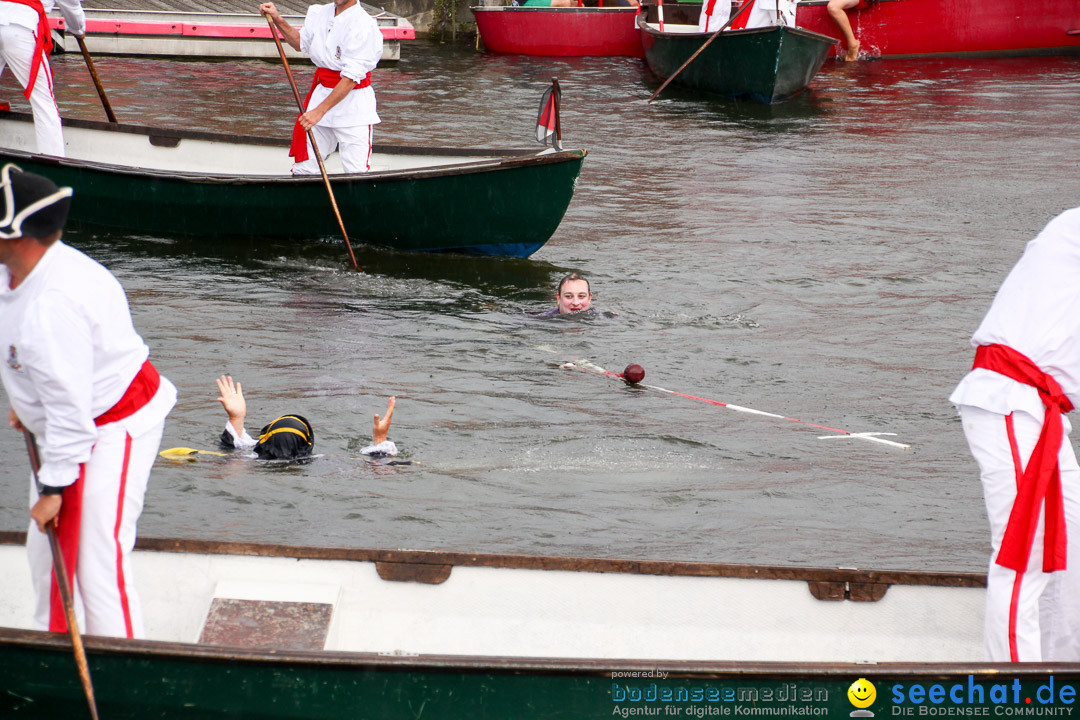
501 664
553 562
644 26
487 158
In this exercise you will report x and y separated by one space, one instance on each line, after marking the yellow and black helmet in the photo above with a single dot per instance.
287 438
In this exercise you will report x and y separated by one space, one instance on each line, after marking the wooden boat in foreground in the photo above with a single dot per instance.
768 64
308 632
162 181
559 31
916 28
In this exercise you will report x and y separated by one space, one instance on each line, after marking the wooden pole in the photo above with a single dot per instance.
745 6
314 146
60 569
97 82
555 97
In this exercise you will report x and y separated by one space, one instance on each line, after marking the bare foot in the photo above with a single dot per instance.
852 52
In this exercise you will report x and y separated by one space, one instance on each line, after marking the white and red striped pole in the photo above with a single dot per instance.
587 366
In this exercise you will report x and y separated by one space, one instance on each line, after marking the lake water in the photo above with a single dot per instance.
826 259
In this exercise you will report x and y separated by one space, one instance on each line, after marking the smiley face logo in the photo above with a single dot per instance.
862 693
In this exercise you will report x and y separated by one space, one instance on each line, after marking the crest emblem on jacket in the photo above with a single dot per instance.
338 53
13 358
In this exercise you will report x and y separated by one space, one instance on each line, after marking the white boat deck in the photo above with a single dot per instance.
514 611
203 157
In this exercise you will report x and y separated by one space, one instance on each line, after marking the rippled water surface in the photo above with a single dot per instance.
826 259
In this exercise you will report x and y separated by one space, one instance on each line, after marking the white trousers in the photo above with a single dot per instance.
353 143
721 13
764 14
114 484
17 52
1031 616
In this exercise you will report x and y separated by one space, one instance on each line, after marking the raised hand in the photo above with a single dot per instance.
381 426
232 399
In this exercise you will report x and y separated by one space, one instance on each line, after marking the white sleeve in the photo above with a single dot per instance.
305 30
72 10
364 49
241 442
59 360
386 447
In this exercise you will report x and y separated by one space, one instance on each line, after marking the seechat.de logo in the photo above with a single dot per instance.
862 694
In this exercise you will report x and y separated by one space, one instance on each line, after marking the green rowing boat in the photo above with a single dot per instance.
174 182
768 64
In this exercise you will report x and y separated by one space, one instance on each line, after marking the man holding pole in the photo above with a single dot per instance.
345 44
1025 377
79 378
25 44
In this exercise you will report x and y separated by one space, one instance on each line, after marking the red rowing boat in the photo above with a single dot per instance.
559 31
909 28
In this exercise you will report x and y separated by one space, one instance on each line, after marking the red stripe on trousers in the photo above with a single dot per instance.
1014 602
368 163
68 527
122 586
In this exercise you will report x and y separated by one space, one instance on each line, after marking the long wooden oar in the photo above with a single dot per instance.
97 82
311 137
60 569
744 8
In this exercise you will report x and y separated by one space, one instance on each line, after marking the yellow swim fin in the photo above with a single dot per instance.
182 453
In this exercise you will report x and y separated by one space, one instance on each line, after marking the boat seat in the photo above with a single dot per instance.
270 615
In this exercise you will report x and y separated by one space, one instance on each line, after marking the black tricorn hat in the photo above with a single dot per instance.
31 205
287 438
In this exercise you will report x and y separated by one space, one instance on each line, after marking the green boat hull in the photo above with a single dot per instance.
135 680
497 203
767 64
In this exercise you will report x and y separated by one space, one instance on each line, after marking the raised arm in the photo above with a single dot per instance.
232 399
381 426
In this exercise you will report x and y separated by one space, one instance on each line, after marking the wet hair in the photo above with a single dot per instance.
570 277
287 438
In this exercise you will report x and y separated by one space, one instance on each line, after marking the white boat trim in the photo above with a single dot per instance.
199 34
431 603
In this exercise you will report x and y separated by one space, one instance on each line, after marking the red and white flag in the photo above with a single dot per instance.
547 122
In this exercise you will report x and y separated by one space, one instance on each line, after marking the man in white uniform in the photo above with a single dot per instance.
714 13
25 43
345 44
78 377
1026 375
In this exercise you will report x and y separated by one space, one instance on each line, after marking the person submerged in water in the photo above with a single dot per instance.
289 437
573 296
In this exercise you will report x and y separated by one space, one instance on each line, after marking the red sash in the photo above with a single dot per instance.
1041 481
68 528
326 78
43 42
739 23
142 388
